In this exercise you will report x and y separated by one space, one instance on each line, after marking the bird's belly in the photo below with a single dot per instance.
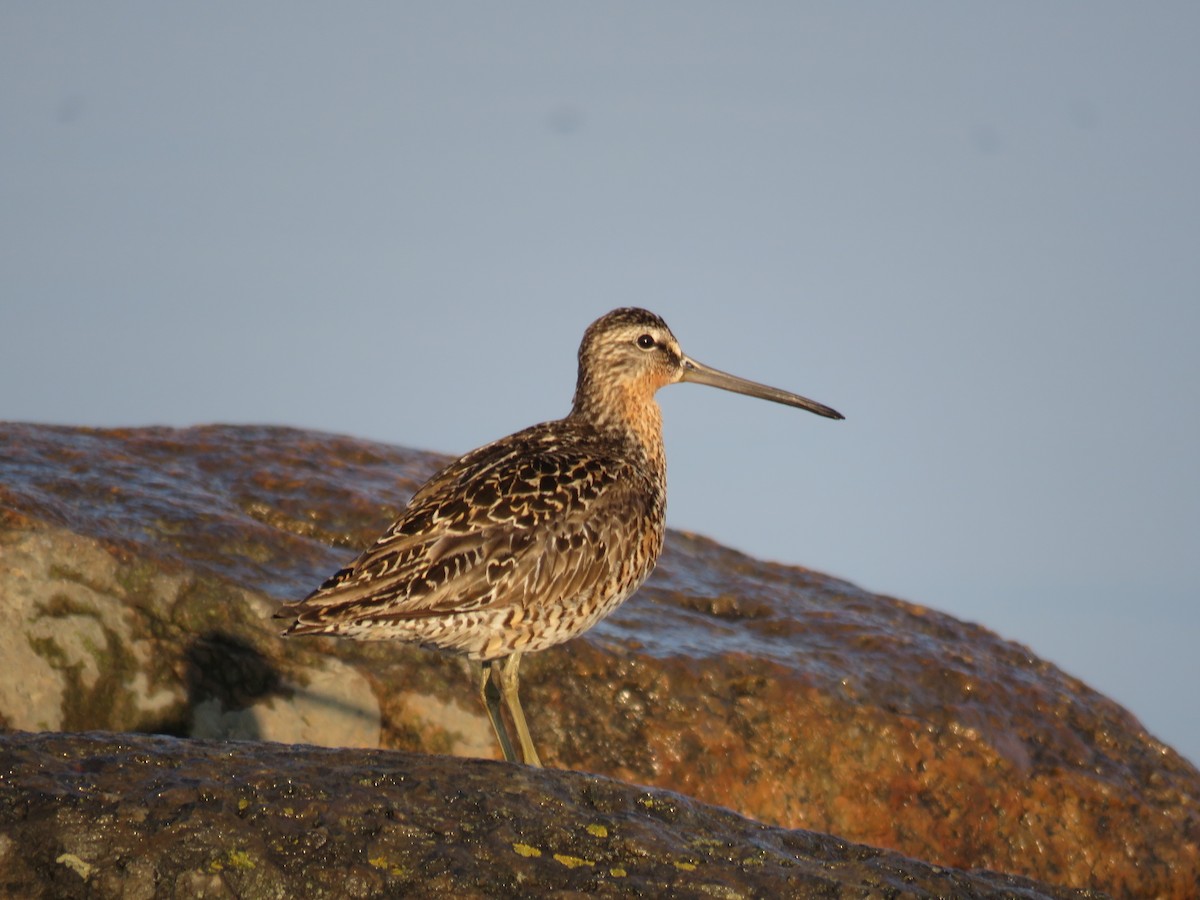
559 624
495 633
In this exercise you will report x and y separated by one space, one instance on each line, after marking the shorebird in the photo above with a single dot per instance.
533 539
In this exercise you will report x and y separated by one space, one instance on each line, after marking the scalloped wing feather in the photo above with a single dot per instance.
517 520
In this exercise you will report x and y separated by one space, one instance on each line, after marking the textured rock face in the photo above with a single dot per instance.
141 568
136 816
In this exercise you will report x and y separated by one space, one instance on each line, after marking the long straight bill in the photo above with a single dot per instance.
698 373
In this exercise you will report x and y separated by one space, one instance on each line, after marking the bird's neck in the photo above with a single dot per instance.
629 410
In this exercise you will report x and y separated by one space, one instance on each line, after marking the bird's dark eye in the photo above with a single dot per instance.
646 342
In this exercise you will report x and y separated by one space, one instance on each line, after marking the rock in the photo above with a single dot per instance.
142 568
139 817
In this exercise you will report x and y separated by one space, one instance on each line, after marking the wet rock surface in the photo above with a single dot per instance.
141 568
138 816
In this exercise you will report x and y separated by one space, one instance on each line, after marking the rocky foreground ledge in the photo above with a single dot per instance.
135 816
139 570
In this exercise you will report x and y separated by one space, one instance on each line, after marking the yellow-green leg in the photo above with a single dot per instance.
489 693
510 683
499 680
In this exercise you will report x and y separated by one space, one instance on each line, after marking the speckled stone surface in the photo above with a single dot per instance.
134 816
141 568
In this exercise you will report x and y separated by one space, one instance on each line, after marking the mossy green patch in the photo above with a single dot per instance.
207 605
60 604
106 703
137 578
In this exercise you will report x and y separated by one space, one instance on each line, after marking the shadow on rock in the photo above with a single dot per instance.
224 677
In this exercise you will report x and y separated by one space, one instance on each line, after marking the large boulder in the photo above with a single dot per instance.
135 816
139 570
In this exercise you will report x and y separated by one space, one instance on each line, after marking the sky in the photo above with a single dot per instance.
972 228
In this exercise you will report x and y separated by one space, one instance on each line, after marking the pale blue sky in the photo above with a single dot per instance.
972 228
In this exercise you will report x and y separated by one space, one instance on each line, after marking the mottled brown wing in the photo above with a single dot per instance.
514 518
